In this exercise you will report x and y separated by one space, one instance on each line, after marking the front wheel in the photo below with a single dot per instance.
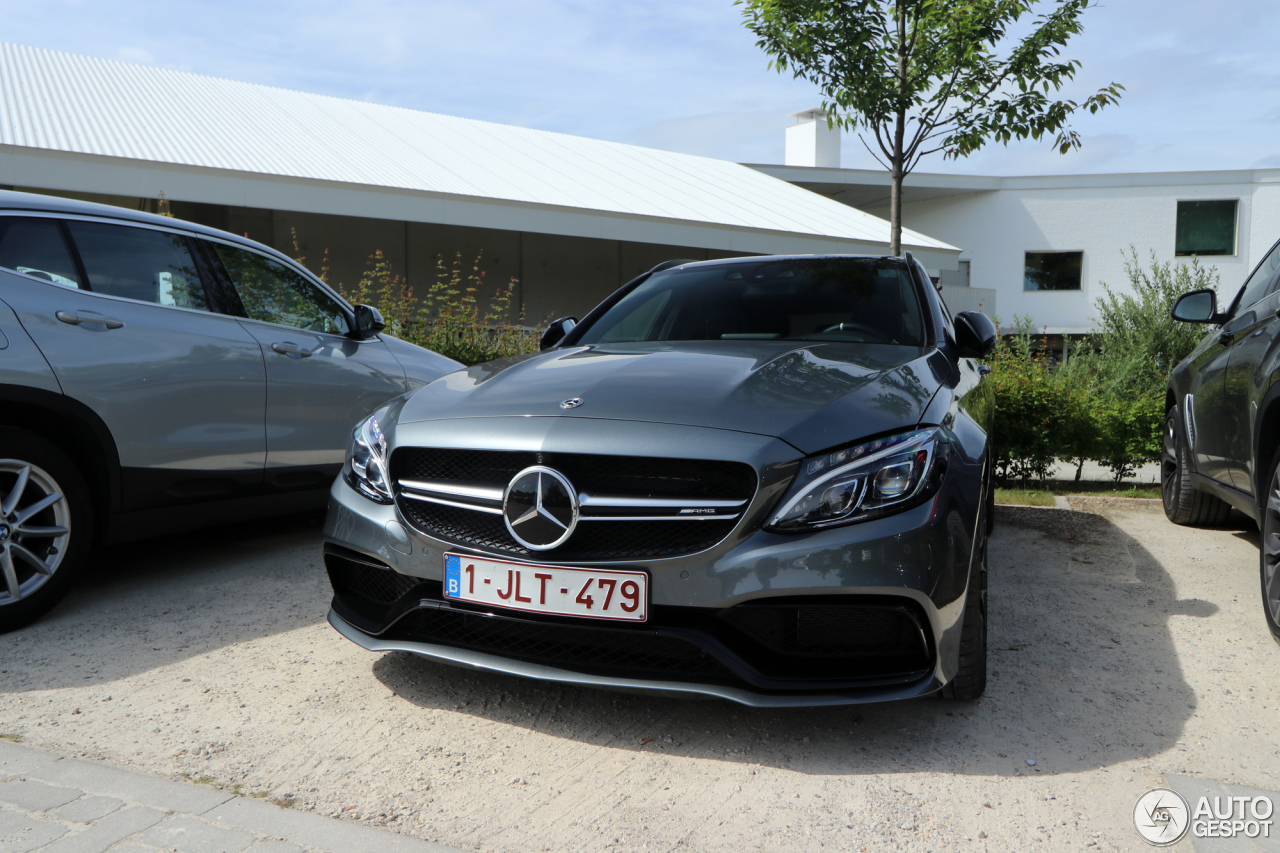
1269 558
1183 502
46 526
970 680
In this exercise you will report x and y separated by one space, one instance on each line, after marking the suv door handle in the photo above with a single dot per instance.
290 348
75 318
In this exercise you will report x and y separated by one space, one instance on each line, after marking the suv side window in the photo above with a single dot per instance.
36 247
273 293
138 263
1259 284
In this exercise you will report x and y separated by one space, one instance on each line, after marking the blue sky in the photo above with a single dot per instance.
1203 79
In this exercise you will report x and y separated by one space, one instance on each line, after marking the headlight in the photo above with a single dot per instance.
860 482
366 468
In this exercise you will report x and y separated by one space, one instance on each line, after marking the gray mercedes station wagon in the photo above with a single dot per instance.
764 479
157 375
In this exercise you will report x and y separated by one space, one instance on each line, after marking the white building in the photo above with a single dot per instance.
571 218
1044 246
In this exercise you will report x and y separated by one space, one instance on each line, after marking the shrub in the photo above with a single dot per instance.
1106 401
1030 404
1128 431
1138 341
449 318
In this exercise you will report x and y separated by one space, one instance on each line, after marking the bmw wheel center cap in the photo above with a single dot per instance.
540 508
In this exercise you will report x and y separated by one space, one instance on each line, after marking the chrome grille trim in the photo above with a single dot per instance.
654 503
457 490
458 496
413 496
659 517
489 499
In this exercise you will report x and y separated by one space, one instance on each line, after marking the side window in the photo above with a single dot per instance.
1259 284
948 323
273 293
35 247
138 263
948 319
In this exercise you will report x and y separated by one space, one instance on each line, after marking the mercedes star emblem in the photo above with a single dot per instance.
540 508
571 403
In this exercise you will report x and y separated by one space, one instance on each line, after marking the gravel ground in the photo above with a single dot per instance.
1123 648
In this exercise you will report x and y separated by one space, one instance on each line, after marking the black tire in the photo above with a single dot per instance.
1183 502
1269 551
28 537
970 680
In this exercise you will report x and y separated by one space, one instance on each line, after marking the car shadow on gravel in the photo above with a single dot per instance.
1083 675
146 604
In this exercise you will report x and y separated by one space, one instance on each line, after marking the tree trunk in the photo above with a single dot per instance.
897 162
895 208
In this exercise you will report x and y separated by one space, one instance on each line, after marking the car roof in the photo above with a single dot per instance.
13 200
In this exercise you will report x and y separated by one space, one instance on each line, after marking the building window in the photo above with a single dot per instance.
1206 228
1053 270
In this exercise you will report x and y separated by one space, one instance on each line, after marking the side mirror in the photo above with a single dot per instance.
368 322
975 334
556 331
1198 306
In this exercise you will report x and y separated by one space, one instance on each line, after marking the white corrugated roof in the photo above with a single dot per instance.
83 105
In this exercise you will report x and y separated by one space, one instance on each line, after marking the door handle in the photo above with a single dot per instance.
1226 338
290 348
74 318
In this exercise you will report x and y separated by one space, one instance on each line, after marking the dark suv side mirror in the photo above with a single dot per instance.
368 322
975 334
556 331
1198 306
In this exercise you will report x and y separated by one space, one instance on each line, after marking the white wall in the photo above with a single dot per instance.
995 229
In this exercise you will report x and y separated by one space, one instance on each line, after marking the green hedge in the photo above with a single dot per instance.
1106 400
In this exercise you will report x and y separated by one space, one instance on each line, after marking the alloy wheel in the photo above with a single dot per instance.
1271 549
35 527
1169 464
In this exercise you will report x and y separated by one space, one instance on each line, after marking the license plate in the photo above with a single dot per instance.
558 590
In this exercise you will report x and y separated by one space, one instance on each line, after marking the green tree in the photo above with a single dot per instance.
923 76
1138 340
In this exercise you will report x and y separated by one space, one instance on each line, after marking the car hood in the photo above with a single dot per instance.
420 365
813 395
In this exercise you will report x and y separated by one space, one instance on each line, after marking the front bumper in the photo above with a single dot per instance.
494 663
912 566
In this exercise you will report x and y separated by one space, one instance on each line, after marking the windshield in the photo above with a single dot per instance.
865 300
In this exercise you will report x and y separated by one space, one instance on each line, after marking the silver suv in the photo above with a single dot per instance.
156 376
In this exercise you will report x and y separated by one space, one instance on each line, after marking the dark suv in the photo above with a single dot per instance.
1222 431
157 375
